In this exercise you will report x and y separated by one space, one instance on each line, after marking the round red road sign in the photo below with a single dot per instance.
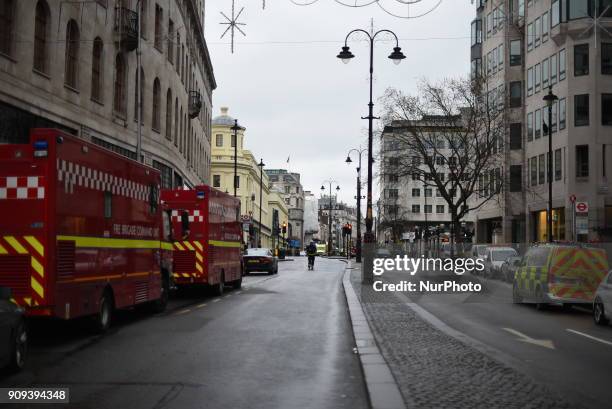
582 207
573 198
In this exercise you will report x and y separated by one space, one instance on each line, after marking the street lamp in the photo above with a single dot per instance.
349 161
329 240
235 128
396 56
550 99
261 166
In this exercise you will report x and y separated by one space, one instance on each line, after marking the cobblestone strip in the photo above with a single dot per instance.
436 370
382 388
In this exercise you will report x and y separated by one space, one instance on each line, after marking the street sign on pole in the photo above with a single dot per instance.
582 207
573 198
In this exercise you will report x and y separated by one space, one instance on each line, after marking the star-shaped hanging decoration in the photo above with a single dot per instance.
596 22
233 24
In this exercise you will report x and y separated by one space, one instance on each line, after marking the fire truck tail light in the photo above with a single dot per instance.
40 149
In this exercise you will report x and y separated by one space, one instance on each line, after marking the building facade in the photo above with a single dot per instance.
539 44
290 187
311 217
73 66
252 183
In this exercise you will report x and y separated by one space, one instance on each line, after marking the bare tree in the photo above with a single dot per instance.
449 136
394 217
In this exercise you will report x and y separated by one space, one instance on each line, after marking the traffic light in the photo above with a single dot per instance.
284 227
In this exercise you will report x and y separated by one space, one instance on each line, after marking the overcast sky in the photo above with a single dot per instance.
296 99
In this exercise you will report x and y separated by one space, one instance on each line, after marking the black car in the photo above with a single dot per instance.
260 259
13 334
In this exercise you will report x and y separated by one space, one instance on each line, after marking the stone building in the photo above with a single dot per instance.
289 186
73 65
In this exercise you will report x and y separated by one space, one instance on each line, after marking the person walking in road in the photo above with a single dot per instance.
311 252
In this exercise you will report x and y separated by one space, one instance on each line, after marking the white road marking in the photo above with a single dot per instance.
182 312
239 292
201 305
603 341
216 300
527 339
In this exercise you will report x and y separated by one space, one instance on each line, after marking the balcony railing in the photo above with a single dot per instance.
126 28
195 104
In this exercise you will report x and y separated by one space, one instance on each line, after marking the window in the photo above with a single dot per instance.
143 18
439 209
416 192
416 208
156 121
545 74
137 91
538 77
7 20
533 168
515 53
177 118
428 193
516 90
169 114
515 135
538 123
530 81
553 69
555 115
530 127
119 90
170 43
96 70
581 60
216 180
159 18
233 142
538 31
530 36
541 169
41 28
545 27
476 32
428 209
287 189
606 109
237 181
516 176
581 110
72 55
558 164
178 52
579 9
562 114
555 14
500 57
562 65
219 140
582 161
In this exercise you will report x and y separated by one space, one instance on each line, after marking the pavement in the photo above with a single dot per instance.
283 341
453 351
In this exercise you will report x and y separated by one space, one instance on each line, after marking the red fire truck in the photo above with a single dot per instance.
80 229
206 231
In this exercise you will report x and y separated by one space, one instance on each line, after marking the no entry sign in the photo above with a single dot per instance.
582 207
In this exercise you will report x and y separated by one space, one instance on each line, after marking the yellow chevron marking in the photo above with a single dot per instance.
37 266
199 257
3 250
188 245
37 287
199 267
178 246
28 300
15 244
198 245
35 244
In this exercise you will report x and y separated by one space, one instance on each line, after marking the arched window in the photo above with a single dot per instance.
71 74
119 97
176 122
7 22
41 29
96 70
169 114
180 137
156 105
142 89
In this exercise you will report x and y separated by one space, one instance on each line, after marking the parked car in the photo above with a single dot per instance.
478 251
602 305
563 274
13 333
383 253
509 267
494 258
260 259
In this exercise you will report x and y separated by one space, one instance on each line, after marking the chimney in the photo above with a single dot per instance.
224 111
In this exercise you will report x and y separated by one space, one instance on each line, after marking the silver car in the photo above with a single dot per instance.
495 258
602 305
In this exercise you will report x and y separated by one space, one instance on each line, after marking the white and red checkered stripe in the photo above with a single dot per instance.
72 174
194 216
22 187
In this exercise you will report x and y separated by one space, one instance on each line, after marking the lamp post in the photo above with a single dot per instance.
346 55
261 166
550 99
330 239
235 128
348 160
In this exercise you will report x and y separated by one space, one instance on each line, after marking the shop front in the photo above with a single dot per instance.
558 225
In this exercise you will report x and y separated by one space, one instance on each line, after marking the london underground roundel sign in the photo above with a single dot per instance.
582 207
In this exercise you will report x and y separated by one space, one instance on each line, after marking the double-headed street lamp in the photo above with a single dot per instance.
348 160
396 56
550 100
329 240
261 165
235 128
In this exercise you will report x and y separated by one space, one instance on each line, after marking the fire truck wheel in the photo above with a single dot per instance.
160 304
218 288
19 348
238 284
104 316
